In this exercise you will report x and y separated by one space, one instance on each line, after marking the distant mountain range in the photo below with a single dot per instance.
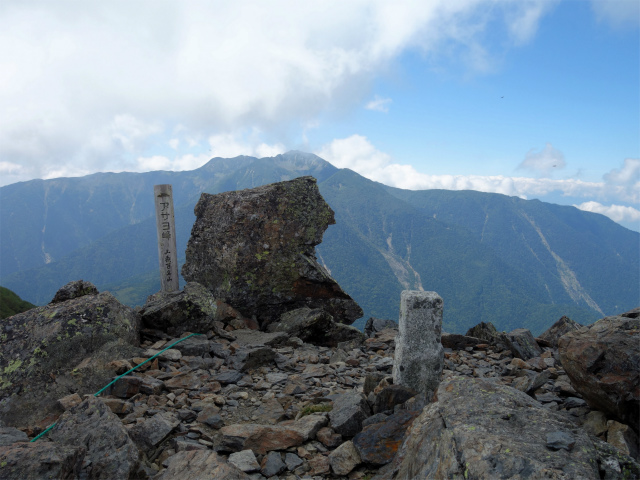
491 257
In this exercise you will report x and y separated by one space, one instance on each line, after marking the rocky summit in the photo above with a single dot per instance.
255 249
198 389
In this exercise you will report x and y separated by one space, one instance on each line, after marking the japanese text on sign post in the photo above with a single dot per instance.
166 226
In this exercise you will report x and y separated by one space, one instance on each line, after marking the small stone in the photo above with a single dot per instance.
245 460
344 459
272 464
69 401
560 440
292 461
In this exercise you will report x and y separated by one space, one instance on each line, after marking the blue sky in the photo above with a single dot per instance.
536 98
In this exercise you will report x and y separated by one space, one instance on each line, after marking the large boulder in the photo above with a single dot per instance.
40 460
483 430
49 352
603 364
255 249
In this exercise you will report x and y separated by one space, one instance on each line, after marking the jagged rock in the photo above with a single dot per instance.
292 461
348 413
260 438
245 460
419 354
344 459
595 423
72 342
149 433
10 435
109 449
198 345
378 443
315 326
479 429
69 401
612 465
200 465
194 309
272 464
256 250
328 437
487 333
522 344
71 290
458 342
249 357
40 460
563 326
390 396
603 363
127 387
375 325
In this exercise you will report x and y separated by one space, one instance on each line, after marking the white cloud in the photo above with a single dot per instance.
379 104
617 213
358 154
174 143
543 162
91 85
629 174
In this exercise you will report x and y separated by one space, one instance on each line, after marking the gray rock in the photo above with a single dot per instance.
557 330
603 363
483 430
344 459
40 460
560 439
317 327
197 346
148 434
76 289
74 342
227 377
374 325
92 425
293 461
245 460
419 356
348 413
256 250
522 344
272 464
250 357
193 309
200 465
256 337
390 396
614 465
10 435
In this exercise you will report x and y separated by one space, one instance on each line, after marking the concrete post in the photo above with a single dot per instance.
166 228
419 356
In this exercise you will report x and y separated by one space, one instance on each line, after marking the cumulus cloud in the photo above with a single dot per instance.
379 104
359 154
95 85
617 213
629 174
543 162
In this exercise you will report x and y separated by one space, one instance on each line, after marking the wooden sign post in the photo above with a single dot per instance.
166 227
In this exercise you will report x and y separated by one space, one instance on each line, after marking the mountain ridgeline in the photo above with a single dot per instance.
492 258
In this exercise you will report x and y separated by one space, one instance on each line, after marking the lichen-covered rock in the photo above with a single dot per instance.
317 327
51 351
482 430
603 364
40 460
193 309
92 425
255 249
71 290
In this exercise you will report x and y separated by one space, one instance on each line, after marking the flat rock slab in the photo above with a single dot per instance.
255 249
40 460
479 429
200 465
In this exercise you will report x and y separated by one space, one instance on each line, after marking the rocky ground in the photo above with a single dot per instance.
274 407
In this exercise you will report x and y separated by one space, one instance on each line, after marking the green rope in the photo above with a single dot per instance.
118 378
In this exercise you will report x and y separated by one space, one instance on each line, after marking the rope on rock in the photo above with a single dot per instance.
119 377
